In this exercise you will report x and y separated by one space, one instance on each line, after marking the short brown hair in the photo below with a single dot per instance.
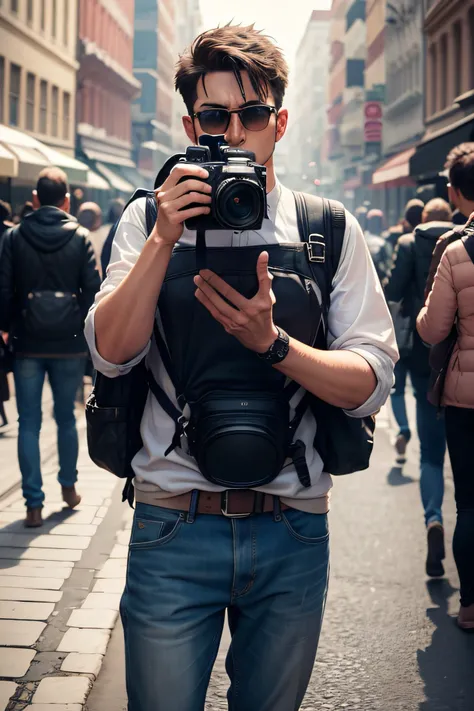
460 165
437 210
52 187
237 49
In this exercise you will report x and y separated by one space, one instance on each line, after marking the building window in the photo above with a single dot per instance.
66 114
443 61
54 11
54 110
43 106
434 79
457 67
43 15
14 7
2 84
29 12
66 23
15 76
30 102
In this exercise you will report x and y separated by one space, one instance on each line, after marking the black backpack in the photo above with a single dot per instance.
115 407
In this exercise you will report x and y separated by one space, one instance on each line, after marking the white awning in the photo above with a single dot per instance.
107 157
33 155
8 163
96 181
115 180
30 162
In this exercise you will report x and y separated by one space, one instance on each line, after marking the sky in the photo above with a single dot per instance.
277 17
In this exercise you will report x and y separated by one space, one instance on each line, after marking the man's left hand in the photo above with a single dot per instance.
249 320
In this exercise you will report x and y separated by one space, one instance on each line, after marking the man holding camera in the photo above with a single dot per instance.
199 548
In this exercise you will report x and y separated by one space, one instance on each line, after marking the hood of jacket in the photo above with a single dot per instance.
432 231
48 229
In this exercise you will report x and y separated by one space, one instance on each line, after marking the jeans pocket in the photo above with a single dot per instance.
306 527
155 528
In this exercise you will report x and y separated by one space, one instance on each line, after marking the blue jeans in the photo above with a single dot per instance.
270 571
397 398
64 376
432 436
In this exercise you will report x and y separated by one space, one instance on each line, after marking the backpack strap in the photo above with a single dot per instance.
322 225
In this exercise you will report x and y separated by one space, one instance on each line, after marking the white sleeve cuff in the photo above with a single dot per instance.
382 365
111 370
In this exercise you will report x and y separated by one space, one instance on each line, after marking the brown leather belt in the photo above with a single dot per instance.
237 503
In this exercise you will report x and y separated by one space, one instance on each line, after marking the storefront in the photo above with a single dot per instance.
396 186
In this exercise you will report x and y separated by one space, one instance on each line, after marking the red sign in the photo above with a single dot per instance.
373 114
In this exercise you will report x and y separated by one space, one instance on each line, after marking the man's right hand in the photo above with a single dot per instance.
173 197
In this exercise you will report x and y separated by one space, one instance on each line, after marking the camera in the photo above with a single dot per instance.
239 196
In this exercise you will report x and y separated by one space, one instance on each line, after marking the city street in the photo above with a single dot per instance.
389 639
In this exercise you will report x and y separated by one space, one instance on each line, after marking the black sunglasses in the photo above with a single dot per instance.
253 118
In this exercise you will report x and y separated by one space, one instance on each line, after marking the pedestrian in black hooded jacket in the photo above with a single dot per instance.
405 286
48 280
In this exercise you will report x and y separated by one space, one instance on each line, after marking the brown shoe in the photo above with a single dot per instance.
466 618
33 518
70 496
401 448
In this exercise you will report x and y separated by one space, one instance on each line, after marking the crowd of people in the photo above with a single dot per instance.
53 318
427 275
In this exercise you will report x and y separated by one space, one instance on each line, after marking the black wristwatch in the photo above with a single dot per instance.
278 350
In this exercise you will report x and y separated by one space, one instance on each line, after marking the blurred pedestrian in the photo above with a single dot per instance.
5 218
406 286
361 216
26 210
452 301
460 164
115 212
377 245
89 215
48 279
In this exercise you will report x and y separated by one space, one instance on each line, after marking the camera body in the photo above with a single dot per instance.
239 196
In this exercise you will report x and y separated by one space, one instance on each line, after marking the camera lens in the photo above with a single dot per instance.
238 203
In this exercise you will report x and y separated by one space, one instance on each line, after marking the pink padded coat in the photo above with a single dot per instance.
453 290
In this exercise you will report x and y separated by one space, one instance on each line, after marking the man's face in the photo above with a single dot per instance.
221 90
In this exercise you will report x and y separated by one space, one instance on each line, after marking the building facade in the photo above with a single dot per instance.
449 99
308 107
335 99
188 25
106 88
38 69
403 125
153 66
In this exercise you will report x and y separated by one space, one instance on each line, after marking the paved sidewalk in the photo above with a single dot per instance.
60 588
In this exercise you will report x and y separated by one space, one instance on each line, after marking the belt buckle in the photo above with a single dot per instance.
225 503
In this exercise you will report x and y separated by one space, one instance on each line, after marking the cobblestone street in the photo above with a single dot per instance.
389 640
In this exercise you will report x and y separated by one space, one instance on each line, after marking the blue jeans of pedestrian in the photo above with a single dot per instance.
397 398
64 376
269 571
432 435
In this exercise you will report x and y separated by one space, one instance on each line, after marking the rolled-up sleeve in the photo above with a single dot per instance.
359 319
128 242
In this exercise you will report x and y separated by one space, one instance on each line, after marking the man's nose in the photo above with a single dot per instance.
235 134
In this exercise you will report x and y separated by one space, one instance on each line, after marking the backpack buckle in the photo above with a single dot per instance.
316 248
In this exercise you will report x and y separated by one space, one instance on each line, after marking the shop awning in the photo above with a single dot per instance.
30 162
8 163
33 155
115 180
138 178
395 168
103 157
96 181
430 156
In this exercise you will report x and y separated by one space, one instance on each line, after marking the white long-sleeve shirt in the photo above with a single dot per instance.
359 321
